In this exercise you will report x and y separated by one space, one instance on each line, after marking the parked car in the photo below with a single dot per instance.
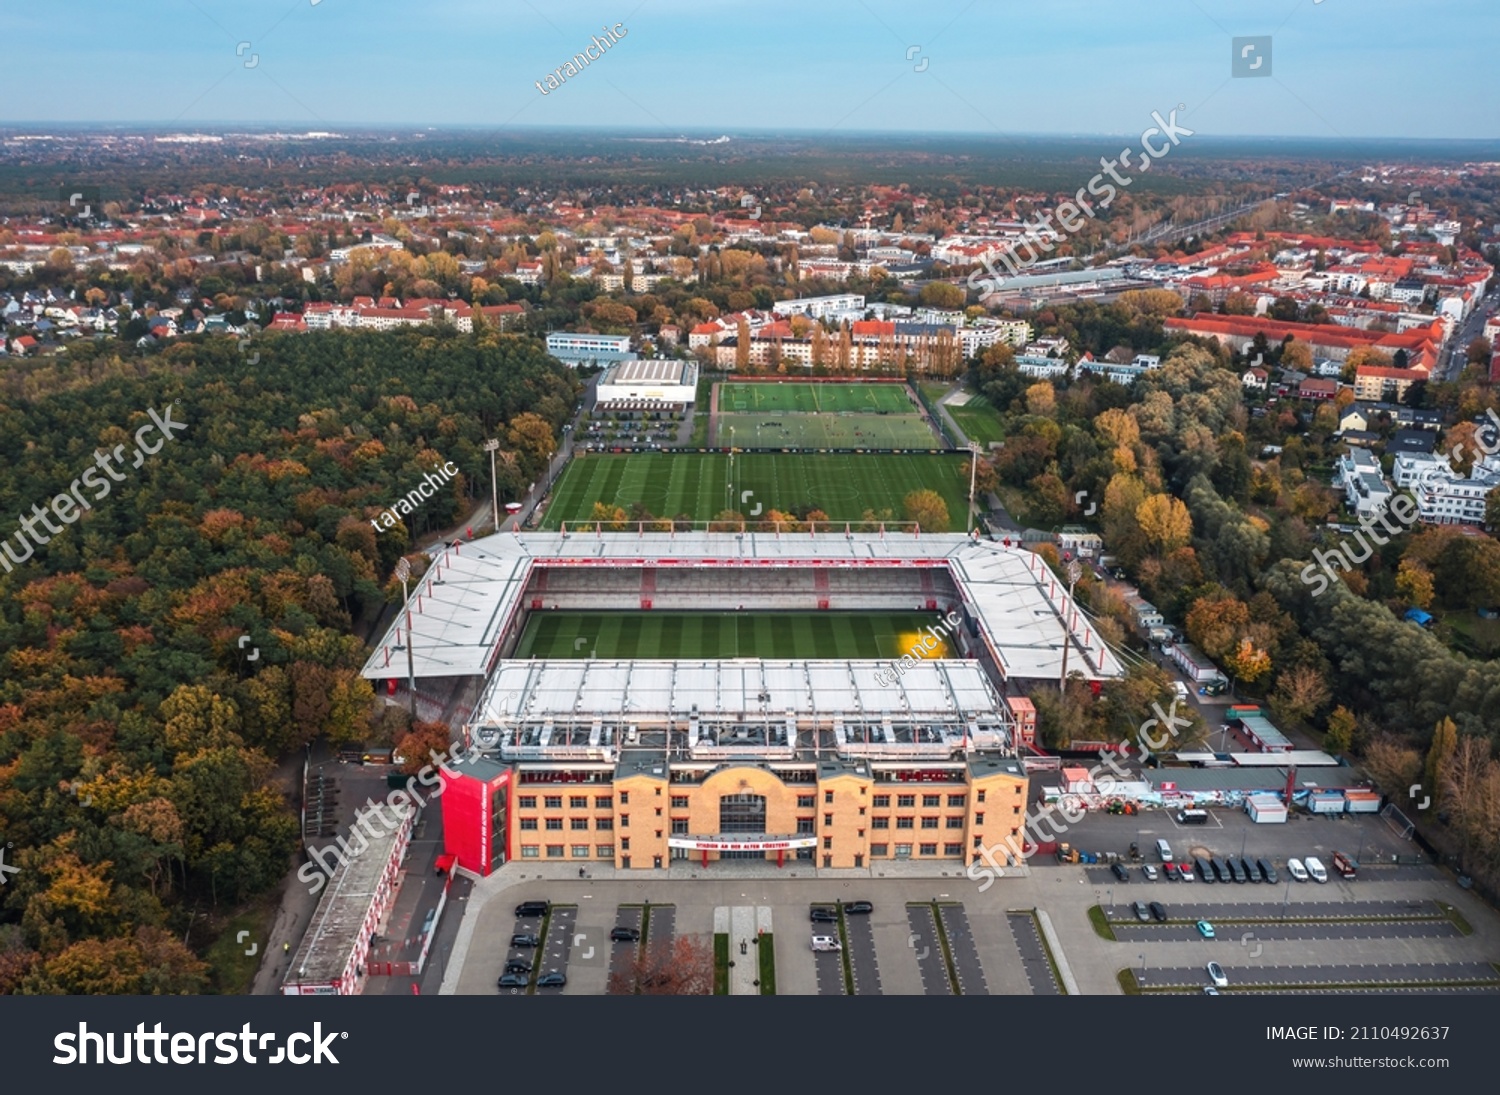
532 908
1234 869
552 979
512 981
826 943
1158 912
1149 871
1142 913
517 965
1296 870
1164 851
1221 869
822 914
525 939
1206 929
1171 871
1180 690
1205 871
1315 868
1216 975
1209 990
1267 872
1252 874
1120 872
858 907
1184 872
625 935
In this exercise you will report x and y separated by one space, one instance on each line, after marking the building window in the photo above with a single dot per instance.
528 824
979 796
927 849
904 823
956 802
554 823
604 802
624 798
742 813
903 851
1015 809
679 802
579 824
827 843
827 798
929 823
554 851
931 800
861 811
879 850
580 851
679 826
978 842
880 823
805 824
955 823
953 849
552 802
881 801
906 800
804 802
604 851
529 851
603 823
827 819
658 811
978 819
624 844
578 802
527 802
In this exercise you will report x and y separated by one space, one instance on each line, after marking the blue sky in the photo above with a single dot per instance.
1340 68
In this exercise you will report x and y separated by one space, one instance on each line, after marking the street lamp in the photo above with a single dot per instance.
973 472
492 446
1142 957
1075 571
403 574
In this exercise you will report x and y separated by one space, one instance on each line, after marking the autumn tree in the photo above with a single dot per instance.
683 968
1444 741
1164 522
1339 738
927 509
1300 691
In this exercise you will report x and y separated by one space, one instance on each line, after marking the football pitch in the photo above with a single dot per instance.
719 635
802 415
696 486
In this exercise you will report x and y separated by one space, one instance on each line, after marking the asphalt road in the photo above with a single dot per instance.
622 954
929 953
1241 933
1250 974
860 940
1272 910
965 954
1033 955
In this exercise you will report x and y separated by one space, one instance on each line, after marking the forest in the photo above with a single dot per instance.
138 736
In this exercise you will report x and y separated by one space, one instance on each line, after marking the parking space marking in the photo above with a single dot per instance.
928 951
622 954
963 950
860 940
1034 962
557 946
1415 973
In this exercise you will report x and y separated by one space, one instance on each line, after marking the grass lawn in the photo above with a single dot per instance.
801 397
231 970
978 419
719 635
841 430
767 964
696 486
1466 632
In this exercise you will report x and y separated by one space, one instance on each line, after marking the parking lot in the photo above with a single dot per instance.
1406 927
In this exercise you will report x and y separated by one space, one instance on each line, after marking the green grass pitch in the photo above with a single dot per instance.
718 635
693 485
978 419
797 397
845 430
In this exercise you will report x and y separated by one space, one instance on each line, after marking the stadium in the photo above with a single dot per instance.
632 699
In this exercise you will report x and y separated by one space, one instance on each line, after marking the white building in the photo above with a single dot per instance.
648 385
1365 488
819 307
1443 496
576 349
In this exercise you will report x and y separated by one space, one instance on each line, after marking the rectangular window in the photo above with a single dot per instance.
978 819
528 824
624 844
955 823
624 821
931 800
904 823
624 798
679 826
604 802
879 850
554 823
827 819
953 849
979 796
805 824
927 849
827 843
578 802
604 851
580 851
827 798
552 802
527 802
903 851
906 800
679 802
880 823
1015 809
929 823
881 801
554 851
604 823
956 802
579 824
529 851
804 802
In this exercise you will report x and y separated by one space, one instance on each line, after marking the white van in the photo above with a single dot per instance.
1296 870
1181 690
826 943
1164 850
1315 868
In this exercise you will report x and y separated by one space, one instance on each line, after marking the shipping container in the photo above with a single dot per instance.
1325 802
1265 810
1362 802
1193 662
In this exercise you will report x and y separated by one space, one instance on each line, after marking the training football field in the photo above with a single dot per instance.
697 486
801 397
718 635
845 430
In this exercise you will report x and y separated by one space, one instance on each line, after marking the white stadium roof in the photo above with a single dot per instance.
460 607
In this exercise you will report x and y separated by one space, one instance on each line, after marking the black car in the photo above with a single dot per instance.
1267 872
1234 869
525 939
532 908
512 980
1205 872
517 965
1221 869
858 907
1158 912
625 935
552 979
822 914
1120 872
1252 874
